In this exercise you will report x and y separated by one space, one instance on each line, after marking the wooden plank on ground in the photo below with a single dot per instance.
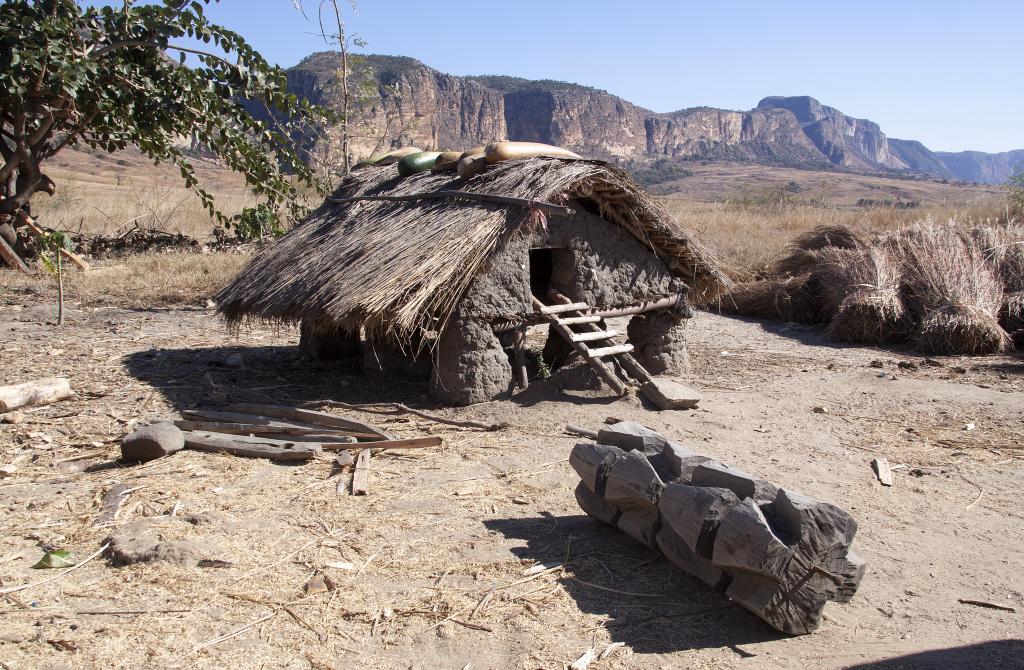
310 416
361 475
272 427
882 469
410 443
240 445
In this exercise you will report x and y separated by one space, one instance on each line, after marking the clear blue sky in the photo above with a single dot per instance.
947 72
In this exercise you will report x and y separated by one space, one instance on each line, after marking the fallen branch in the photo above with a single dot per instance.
398 408
987 605
38 392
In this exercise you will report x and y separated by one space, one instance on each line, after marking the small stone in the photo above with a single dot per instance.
969 426
877 364
8 470
12 417
907 365
820 410
235 361
210 304
151 442
960 370
931 362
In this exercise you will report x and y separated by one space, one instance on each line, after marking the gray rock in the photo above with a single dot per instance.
152 442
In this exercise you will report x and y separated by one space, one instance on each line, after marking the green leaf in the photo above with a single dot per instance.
58 558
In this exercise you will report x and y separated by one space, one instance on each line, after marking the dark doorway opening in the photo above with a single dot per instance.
541 267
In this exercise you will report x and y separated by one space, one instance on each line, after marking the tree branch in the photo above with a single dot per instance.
102 51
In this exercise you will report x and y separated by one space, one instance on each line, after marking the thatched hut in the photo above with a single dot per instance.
435 275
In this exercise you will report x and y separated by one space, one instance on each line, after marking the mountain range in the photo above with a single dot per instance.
399 101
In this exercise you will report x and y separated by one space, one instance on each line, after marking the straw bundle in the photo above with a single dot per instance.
805 249
860 296
788 298
1003 250
1011 316
952 290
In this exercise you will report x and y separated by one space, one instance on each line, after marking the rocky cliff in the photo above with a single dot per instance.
399 101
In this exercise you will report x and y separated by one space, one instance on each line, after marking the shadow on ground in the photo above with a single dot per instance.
690 615
994 654
191 377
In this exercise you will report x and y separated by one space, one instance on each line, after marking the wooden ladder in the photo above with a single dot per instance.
566 315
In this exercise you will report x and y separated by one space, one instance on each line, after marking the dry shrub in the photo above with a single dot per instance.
789 299
805 249
952 290
859 295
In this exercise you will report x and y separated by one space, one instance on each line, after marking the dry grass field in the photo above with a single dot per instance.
748 213
101 193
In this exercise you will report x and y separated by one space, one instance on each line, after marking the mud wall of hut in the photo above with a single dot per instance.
597 262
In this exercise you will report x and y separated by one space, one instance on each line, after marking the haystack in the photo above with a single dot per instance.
443 267
803 251
860 297
785 298
952 290
939 284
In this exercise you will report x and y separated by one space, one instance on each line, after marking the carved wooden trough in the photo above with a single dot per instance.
778 553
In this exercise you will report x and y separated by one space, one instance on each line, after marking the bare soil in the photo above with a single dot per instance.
438 550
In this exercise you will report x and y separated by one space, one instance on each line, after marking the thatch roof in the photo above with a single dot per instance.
402 267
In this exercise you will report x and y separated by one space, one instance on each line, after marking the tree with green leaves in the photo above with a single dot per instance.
146 75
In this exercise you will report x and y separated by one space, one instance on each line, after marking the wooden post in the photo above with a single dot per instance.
520 358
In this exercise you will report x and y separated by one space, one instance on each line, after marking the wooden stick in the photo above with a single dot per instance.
361 476
15 589
518 344
264 429
582 432
34 227
12 258
398 408
546 207
310 416
411 443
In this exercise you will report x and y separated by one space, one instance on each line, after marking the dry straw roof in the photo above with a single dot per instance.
401 267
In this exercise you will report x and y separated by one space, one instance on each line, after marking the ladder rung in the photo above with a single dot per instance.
590 337
572 320
559 309
610 351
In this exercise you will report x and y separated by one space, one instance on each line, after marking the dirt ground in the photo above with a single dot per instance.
431 569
